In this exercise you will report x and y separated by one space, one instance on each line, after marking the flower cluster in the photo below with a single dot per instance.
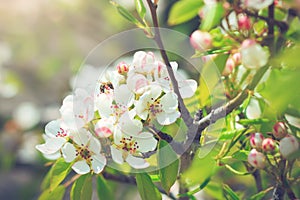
126 102
286 143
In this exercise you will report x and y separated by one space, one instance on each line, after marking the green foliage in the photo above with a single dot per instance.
229 193
140 8
56 174
169 163
57 193
147 190
82 188
103 189
213 17
184 10
281 89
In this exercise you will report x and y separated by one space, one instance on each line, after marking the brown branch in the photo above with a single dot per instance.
132 181
188 120
224 110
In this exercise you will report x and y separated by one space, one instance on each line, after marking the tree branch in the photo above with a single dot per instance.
224 110
188 120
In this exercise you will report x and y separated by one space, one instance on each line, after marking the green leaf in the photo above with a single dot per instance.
56 174
168 163
126 14
246 122
261 194
82 188
57 193
184 10
229 192
103 190
228 135
282 89
241 155
140 8
146 188
213 17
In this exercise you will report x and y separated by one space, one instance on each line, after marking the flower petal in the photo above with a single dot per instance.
187 88
146 142
169 102
94 145
51 146
167 118
103 104
137 163
81 167
98 163
69 152
117 155
81 137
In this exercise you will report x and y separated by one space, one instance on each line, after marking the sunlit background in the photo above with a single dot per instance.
43 43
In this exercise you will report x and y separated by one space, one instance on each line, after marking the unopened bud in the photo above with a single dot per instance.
237 58
288 145
201 40
122 68
229 66
257 159
268 145
244 22
253 55
279 130
256 140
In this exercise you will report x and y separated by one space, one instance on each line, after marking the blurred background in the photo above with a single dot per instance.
42 46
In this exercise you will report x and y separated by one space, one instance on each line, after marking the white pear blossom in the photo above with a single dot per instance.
56 135
85 150
164 109
77 109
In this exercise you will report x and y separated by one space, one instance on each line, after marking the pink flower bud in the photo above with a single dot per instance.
256 140
229 66
288 145
253 55
257 159
244 22
279 130
122 68
237 58
268 145
201 40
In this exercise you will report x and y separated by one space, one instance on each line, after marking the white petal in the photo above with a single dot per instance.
69 152
130 126
167 118
123 95
53 156
141 109
117 135
81 167
187 88
117 155
137 163
98 163
94 145
51 146
103 103
52 127
146 142
81 137
169 102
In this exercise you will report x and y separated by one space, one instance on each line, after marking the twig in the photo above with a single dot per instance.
257 177
188 120
74 178
130 180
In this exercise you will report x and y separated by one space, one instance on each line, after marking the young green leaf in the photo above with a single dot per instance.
147 189
229 192
82 188
56 174
184 10
140 8
57 193
213 17
126 14
168 163
103 190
